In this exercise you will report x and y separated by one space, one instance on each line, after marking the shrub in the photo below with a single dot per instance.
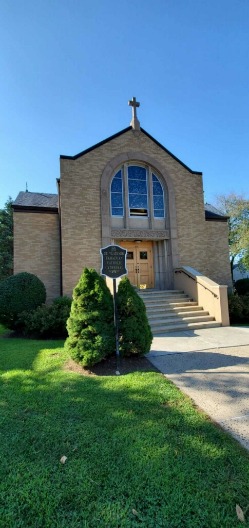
90 325
134 330
46 321
18 293
242 286
238 308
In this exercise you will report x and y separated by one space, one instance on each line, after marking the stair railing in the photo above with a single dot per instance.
210 295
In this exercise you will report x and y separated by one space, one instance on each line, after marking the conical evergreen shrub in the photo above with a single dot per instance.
135 336
90 325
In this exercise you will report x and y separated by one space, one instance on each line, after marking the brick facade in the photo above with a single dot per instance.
86 221
37 248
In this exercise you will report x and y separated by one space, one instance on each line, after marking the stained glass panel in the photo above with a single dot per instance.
157 188
117 211
136 173
158 202
138 201
137 187
158 198
117 200
117 195
159 213
116 185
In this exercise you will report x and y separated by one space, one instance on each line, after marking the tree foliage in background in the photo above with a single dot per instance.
237 208
6 240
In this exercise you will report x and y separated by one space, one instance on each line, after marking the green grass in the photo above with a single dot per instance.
138 453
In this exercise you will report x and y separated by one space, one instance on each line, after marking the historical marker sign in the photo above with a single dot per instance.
113 261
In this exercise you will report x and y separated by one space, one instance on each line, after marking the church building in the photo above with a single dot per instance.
127 190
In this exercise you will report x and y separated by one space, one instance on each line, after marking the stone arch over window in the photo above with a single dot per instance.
136 191
142 160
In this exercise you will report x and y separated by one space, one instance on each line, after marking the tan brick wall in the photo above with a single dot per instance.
81 216
218 262
37 248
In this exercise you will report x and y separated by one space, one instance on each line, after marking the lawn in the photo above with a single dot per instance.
138 453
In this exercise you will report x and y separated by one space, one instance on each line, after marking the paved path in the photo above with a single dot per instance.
212 367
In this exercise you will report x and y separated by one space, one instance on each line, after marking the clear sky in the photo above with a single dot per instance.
68 68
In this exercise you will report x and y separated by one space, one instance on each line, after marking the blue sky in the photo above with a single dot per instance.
68 68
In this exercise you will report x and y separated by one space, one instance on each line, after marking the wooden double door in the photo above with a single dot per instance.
139 263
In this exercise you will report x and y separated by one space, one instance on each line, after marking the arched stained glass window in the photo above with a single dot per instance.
138 180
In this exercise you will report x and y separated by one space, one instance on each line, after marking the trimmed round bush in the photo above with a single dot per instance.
46 322
242 286
18 293
90 325
135 334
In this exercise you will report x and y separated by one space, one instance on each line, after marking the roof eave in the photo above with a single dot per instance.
33 209
62 156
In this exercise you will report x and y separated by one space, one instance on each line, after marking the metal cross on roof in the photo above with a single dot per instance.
134 121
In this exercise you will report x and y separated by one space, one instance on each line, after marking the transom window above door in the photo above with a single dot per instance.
138 189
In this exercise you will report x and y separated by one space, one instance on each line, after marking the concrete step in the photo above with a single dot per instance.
183 326
148 293
153 297
178 314
178 320
175 309
171 302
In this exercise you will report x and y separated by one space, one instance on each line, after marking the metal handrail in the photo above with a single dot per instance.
190 277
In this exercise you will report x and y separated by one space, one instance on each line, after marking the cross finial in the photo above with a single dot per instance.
134 122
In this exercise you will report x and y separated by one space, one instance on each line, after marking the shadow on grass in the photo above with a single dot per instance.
133 444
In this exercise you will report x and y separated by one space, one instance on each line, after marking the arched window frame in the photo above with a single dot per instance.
152 180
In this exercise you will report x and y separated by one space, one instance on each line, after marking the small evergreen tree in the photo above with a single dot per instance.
134 329
90 325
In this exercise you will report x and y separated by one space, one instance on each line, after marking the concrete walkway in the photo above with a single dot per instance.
212 367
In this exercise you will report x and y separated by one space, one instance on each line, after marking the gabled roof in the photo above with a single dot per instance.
36 201
120 134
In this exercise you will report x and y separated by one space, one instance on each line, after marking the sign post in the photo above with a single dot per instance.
114 266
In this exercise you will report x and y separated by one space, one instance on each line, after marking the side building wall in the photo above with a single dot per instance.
218 262
37 248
